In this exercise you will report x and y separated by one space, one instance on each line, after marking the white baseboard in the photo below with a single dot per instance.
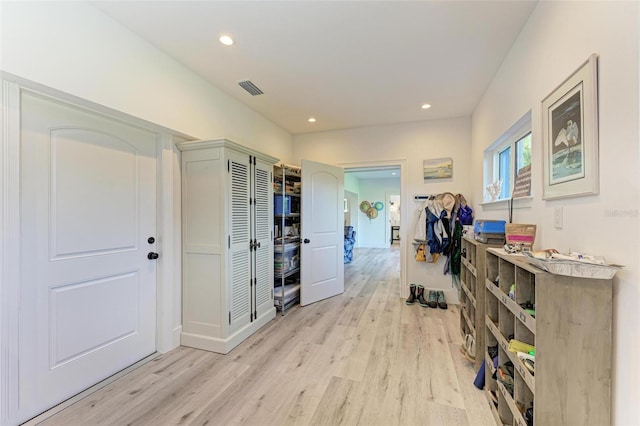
175 337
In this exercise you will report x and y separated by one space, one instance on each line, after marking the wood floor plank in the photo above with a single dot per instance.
475 401
451 320
360 358
181 401
339 403
133 389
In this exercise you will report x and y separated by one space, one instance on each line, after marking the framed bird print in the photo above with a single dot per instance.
570 135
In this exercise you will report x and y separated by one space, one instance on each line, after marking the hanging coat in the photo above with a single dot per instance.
420 234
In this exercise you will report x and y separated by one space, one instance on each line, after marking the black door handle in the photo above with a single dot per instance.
306 241
152 255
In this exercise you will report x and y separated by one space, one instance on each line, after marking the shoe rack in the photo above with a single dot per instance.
568 321
472 272
287 226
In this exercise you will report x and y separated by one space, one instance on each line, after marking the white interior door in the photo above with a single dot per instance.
322 259
88 290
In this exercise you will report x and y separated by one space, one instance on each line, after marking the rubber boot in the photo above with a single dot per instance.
442 302
420 296
433 299
412 295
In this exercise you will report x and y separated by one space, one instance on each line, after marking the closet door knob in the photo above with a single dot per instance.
306 241
152 255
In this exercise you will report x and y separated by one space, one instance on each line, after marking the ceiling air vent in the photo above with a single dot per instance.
250 87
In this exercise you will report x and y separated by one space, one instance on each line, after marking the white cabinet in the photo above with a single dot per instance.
227 249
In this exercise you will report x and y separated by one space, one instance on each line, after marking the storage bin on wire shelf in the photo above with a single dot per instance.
281 204
286 258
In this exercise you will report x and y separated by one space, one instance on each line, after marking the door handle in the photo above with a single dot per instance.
306 241
152 255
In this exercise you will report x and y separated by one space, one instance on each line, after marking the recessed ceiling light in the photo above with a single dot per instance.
226 40
311 120
426 106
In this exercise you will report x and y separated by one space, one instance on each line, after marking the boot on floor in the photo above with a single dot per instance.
442 303
412 295
420 296
433 299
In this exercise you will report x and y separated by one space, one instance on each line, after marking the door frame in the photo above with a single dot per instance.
168 234
402 164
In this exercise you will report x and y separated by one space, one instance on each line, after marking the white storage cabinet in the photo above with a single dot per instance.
227 243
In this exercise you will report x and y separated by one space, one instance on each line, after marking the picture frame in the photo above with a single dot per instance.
570 135
437 168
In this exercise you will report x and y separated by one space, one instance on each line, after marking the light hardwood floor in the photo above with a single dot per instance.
361 358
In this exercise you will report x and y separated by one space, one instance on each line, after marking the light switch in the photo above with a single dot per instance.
557 218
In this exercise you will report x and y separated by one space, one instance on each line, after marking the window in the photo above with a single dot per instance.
504 171
507 156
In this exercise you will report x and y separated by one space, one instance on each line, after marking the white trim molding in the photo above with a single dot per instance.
9 250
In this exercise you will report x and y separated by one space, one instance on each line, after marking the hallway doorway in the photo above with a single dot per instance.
374 183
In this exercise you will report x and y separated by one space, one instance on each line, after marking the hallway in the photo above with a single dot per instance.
361 358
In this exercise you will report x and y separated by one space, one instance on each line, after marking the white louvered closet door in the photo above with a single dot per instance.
240 307
263 224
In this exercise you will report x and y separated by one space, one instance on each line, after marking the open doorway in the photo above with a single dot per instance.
369 190
360 178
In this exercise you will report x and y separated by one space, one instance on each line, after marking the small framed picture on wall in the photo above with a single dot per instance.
437 168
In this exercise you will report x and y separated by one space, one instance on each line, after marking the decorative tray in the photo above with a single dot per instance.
572 265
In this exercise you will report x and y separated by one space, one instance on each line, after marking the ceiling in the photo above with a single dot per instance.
346 63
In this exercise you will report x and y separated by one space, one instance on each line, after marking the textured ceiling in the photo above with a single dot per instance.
346 63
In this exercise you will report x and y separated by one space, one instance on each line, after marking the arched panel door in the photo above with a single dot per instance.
322 256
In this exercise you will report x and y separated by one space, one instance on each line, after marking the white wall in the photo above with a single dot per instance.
76 48
351 189
351 183
376 232
412 143
557 39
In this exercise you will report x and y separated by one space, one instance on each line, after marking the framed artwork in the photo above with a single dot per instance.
570 135
437 168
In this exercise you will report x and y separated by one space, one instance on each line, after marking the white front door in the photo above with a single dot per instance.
88 289
322 256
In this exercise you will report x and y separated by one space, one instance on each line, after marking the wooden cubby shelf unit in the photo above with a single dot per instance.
570 328
472 295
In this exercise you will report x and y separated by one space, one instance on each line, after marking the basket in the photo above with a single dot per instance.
523 235
573 268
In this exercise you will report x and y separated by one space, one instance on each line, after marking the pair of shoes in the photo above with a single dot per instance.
436 299
468 347
492 351
505 376
416 292
412 295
